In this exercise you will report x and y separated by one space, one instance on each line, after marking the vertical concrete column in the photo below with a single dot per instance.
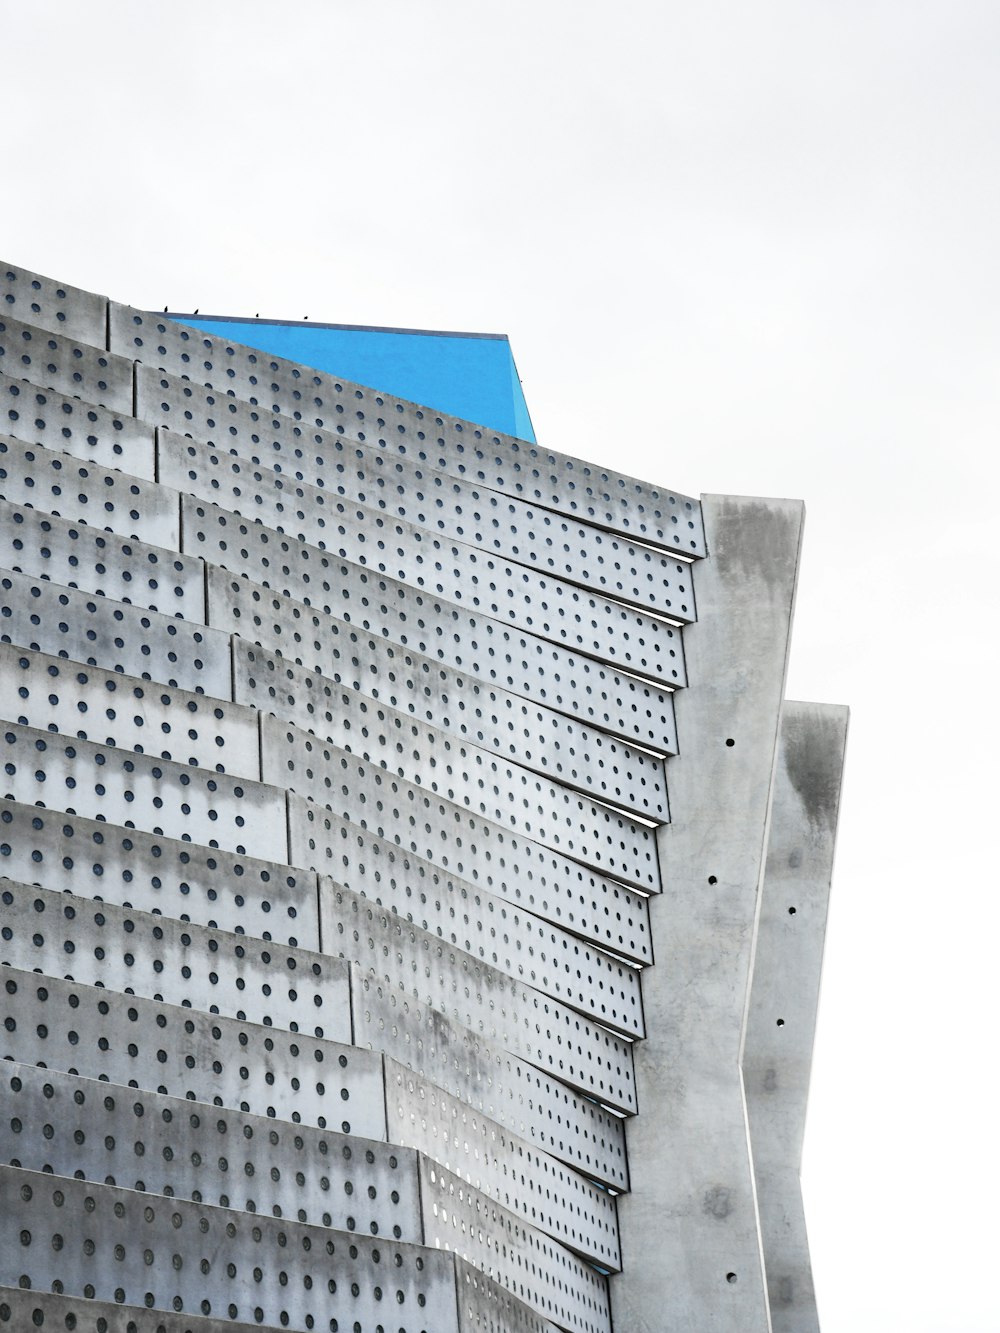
689 1229
781 1024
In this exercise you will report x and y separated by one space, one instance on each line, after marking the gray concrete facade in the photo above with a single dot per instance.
782 1019
398 834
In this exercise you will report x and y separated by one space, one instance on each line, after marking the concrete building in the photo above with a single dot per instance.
415 880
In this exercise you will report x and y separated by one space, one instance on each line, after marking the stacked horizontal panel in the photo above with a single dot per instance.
417 966
86 492
118 1245
335 754
524 1259
102 1033
516 941
531 1103
165 876
98 943
528 1182
275 387
62 1123
84 430
99 631
523 664
575 753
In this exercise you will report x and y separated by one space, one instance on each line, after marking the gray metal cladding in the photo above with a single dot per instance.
44 303
97 943
85 430
521 663
135 790
495 929
104 563
438 832
485 1306
86 492
417 966
519 1176
531 1103
151 873
59 1123
277 387
96 630
539 1270
21 1309
54 361
557 612
110 1035
573 753
120 1245
303 500
93 703
496 796
336 742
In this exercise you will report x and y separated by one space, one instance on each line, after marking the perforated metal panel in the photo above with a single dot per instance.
117 1245
101 562
164 1145
528 1101
99 631
339 846
490 928
186 1053
48 304
502 723
520 663
159 875
458 575
79 369
300 496
539 1271
57 483
484 1306
21 1310
61 934
530 1183
91 703
212 809
452 840
437 598
419 967
58 421
554 481
466 780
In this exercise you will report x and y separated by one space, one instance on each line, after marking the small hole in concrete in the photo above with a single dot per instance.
730 1278
791 911
713 879
730 742
781 1022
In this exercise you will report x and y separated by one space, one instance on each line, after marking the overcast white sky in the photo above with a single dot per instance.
739 247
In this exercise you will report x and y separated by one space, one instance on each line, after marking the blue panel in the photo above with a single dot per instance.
462 374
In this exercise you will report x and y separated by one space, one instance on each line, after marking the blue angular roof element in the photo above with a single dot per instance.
468 375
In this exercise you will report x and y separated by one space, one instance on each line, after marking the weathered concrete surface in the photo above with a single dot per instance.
689 1232
781 1023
